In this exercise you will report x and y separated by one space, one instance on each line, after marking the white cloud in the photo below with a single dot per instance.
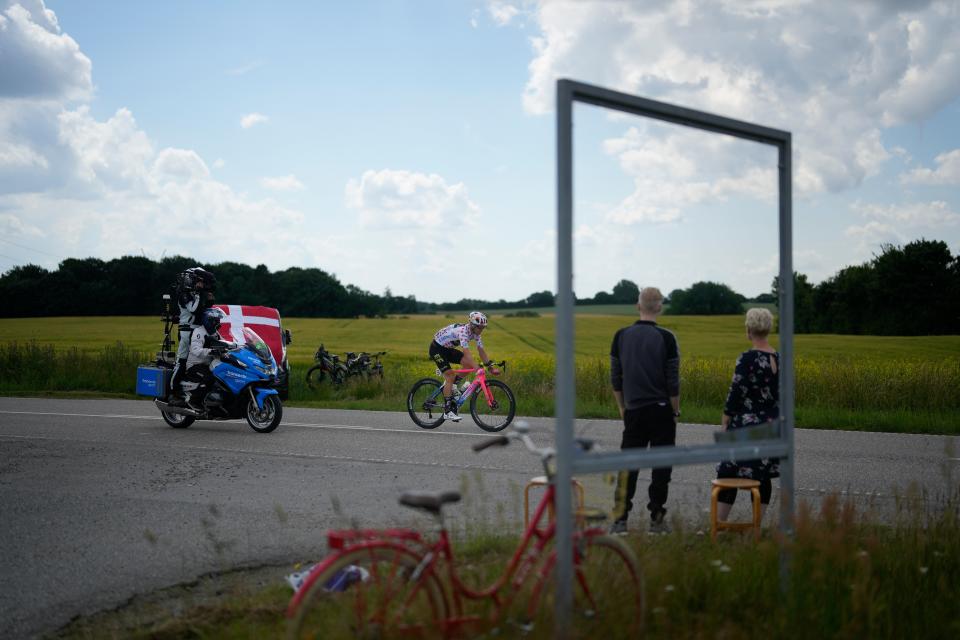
931 215
12 225
834 74
19 155
252 119
502 12
37 61
219 163
244 69
947 171
397 198
282 183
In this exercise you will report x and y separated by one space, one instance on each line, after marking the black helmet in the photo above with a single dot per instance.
199 274
212 318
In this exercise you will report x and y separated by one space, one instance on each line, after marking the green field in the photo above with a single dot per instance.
852 382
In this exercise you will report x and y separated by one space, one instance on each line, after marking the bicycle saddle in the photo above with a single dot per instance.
429 500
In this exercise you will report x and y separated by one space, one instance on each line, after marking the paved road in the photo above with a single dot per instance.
101 500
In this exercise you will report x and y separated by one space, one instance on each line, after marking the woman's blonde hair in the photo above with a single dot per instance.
759 322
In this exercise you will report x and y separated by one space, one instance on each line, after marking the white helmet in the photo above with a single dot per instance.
477 319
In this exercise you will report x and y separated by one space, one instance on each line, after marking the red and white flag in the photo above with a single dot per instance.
264 320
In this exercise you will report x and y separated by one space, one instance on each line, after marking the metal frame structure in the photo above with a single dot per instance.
569 463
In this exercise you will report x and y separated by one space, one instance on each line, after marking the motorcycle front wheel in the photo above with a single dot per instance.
267 419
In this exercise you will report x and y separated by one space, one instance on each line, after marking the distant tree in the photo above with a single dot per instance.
705 298
625 292
539 299
804 312
766 298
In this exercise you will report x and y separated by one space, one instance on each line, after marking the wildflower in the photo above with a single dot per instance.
924 569
724 569
669 587
658 610
716 563
862 553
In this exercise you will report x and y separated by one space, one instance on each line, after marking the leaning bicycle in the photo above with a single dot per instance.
492 403
397 583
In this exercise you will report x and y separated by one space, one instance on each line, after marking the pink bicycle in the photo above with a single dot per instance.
395 583
492 404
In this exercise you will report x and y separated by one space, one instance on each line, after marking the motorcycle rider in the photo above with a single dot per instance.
194 295
202 354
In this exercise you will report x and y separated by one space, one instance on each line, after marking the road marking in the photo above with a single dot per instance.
348 427
292 454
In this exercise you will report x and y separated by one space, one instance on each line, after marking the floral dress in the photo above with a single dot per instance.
753 399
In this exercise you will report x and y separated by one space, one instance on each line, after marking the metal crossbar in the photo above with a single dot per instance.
568 92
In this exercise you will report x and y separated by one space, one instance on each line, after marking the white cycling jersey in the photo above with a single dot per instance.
454 335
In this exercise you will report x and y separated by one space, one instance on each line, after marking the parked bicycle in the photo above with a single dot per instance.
492 403
328 366
396 583
365 365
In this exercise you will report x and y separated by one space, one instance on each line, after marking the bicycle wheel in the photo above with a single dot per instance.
496 415
315 376
425 403
608 595
382 599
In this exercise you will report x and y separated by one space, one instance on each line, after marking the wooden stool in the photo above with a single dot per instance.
541 481
753 486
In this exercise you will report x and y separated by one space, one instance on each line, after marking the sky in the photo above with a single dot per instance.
410 145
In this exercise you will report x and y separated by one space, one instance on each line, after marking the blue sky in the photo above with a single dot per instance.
410 145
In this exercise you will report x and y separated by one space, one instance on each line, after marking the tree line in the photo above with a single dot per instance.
909 290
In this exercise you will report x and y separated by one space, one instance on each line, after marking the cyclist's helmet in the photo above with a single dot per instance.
477 319
212 318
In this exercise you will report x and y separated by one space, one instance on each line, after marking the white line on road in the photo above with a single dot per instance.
288 424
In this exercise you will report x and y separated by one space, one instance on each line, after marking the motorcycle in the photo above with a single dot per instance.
243 376
328 364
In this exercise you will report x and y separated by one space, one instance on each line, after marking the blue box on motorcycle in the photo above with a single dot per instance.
152 380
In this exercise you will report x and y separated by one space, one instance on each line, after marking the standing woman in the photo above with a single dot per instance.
753 400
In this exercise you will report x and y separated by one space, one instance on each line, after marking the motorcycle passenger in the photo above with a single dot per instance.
201 355
194 295
443 353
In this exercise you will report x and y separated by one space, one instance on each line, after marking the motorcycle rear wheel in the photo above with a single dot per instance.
177 420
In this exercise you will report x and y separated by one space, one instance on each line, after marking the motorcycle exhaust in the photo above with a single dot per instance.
183 411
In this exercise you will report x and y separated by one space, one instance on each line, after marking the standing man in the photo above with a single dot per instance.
645 373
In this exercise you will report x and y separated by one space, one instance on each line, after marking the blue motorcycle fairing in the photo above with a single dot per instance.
260 393
237 379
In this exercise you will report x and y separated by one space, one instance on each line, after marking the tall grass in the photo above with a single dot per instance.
34 367
896 394
849 577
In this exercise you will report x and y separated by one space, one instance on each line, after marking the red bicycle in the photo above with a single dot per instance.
492 404
395 583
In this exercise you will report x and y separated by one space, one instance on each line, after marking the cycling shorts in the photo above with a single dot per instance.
444 356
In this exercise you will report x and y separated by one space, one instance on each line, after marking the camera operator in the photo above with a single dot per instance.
194 292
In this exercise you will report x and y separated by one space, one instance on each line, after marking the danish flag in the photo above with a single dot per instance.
264 320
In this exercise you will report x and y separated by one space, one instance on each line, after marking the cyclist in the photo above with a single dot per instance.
444 353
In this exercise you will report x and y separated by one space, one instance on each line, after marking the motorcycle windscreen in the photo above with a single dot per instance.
256 344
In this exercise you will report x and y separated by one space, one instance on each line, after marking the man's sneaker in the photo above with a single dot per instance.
450 413
658 524
618 528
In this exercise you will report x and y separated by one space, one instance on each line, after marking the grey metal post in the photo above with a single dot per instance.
565 386
786 305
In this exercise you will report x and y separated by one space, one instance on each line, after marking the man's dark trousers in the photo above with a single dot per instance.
652 426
